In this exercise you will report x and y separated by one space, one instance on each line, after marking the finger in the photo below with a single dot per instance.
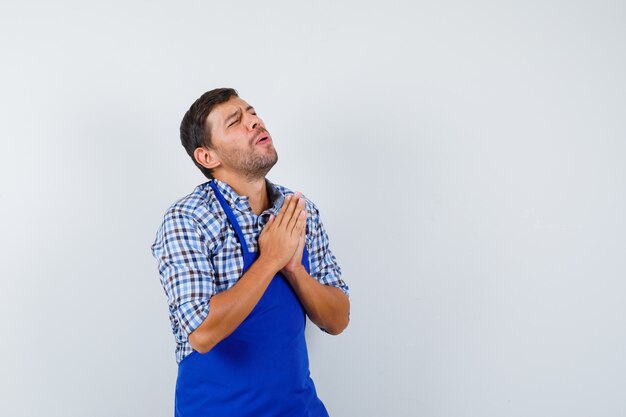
298 219
295 215
282 211
300 248
300 226
293 203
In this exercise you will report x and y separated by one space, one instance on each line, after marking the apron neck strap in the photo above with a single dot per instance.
231 216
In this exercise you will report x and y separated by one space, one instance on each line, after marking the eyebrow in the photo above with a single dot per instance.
236 113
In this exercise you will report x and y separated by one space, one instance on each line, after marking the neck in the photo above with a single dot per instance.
254 189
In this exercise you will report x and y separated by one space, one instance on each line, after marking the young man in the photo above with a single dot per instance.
243 261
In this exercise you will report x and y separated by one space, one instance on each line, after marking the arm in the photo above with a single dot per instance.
328 307
323 294
228 309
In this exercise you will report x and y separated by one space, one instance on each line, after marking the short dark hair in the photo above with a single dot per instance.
195 131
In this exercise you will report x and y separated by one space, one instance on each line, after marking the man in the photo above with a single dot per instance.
243 261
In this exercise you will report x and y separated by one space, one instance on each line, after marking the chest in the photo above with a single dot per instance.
226 254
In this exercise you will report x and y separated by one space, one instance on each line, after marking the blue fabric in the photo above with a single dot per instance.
262 368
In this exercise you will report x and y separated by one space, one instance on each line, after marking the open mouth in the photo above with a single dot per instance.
263 139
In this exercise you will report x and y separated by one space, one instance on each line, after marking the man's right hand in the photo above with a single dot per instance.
280 237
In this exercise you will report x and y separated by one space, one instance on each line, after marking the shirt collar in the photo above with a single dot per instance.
241 202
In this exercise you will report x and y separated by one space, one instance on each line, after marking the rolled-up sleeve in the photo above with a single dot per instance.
323 264
187 274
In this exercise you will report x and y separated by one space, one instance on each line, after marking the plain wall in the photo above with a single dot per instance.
467 159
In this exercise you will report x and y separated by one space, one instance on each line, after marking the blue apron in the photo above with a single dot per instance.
262 368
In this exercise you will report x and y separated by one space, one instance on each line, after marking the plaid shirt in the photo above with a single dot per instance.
199 254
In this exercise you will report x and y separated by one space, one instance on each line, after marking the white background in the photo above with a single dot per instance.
467 159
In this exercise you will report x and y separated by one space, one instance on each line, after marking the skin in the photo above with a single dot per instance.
242 164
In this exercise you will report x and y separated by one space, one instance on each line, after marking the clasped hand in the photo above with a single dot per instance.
282 240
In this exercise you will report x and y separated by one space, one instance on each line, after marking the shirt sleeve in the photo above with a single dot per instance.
187 274
323 264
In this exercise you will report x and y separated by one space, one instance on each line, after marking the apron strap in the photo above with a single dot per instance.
231 217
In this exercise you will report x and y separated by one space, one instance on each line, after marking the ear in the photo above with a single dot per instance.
206 157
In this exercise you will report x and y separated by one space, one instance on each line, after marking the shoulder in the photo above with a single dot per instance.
199 208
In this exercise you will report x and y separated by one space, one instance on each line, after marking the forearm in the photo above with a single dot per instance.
229 308
328 307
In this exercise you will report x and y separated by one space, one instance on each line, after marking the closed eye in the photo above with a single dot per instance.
237 120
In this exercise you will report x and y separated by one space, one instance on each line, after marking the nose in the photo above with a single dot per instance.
254 122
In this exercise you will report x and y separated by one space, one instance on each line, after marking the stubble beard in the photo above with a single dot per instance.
252 164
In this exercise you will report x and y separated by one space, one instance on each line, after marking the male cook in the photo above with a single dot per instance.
243 262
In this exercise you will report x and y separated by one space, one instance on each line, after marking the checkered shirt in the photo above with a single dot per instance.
199 254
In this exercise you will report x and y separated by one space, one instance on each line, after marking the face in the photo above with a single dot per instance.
240 143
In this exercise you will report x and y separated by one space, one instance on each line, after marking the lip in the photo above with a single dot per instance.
262 135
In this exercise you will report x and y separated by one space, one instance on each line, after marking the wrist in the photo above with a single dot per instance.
269 264
293 272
